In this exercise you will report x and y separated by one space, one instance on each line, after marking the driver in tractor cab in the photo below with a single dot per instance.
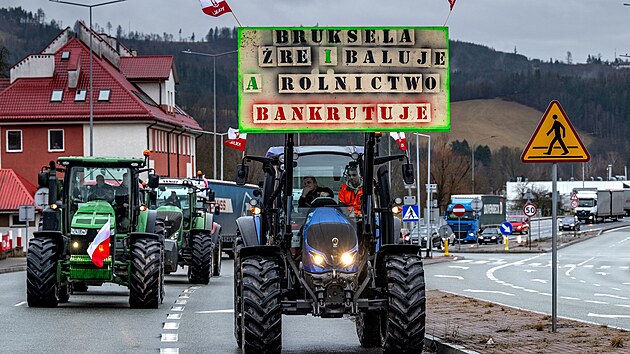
351 192
101 190
311 191
173 200
122 203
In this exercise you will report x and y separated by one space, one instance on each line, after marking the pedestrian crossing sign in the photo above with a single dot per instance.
555 139
410 213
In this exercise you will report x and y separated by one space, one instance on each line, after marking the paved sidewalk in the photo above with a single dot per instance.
12 264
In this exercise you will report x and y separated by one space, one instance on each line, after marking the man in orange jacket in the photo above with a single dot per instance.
351 192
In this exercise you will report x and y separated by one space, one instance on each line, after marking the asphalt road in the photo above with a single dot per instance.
593 279
192 319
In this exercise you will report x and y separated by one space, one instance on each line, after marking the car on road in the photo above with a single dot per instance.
418 236
490 235
520 224
569 223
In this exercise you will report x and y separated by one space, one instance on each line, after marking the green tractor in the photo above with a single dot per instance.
193 239
96 230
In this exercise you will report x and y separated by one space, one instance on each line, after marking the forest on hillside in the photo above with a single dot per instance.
594 94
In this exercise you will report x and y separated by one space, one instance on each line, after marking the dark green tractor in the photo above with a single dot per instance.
193 239
102 202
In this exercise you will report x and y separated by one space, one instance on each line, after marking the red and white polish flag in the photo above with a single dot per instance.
215 8
400 139
235 139
99 248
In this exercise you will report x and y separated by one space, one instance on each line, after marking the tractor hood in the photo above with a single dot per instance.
87 221
173 218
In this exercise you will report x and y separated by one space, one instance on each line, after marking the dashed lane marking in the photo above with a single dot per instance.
596 302
171 325
459 267
449 276
569 298
174 316
169 350
612 296
169 337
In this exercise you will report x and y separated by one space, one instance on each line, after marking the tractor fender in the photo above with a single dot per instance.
170 255
265 250
151 217
246 226
379 263
60 240
134 236
216 233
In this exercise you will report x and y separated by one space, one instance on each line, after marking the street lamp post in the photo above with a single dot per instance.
428 210
472 162
214 98
91 59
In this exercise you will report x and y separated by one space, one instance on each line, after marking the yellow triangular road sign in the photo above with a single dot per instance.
555 139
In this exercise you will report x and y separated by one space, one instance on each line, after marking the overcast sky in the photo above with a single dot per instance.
540 29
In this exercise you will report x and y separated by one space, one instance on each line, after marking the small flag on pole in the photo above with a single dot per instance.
99 248
216 8
452 3
235 139
400 139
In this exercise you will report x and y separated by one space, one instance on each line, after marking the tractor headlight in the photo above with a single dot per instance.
75 245
78 232
318 259
347 259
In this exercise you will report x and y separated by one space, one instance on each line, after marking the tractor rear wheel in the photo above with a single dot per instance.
199 270
406 313
369 328
63 293
41 273
262 308
145 280
238 309
216 257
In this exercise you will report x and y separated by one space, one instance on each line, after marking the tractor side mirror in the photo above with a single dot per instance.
42 179
154 181
407 172
217 210
241 174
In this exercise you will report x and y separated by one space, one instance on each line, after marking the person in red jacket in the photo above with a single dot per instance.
351 192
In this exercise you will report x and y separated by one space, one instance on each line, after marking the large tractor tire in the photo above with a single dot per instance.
216 258
238 309
160 229
145 290
63 293
262 308
369 328
406 314
199 269
41 273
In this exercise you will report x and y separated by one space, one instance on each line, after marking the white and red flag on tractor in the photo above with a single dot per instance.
235 139
400 140
215 8
99 248
452 3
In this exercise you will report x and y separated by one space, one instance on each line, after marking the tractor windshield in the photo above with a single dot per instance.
110 184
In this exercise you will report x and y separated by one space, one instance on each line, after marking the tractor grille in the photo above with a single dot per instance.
83 242
81 267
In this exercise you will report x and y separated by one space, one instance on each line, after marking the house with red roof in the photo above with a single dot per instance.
15 191
45 109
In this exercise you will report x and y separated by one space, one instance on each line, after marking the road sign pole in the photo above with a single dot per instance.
554 246
459 234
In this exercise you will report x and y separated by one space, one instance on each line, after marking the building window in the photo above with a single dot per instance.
15 221
14 141
65 55
79 96
55 140
56 96
103 95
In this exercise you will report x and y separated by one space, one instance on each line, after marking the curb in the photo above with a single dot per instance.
438 345
12 269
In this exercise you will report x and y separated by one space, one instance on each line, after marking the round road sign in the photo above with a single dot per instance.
574 204
529 209
476 204
459 210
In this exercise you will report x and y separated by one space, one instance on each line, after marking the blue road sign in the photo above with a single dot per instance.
506 228
410 213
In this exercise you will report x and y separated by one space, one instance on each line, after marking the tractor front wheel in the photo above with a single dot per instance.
406 313
41 273
262 308
238 309
216 258
369 328
199 270
145 278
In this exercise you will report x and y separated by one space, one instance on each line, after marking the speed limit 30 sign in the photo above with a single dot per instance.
529 209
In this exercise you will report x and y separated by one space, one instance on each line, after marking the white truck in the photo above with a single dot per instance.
598 205
626 200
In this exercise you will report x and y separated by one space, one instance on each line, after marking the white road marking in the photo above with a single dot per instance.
177 308
601 273
488 292
597 285
545 294
449 276
616 289
20 303
572 267
169 350
499 262
181 302
604 267
171 325
530 290
174 316
569 298
518 287
596 302
217 311
535 264
184 297
464 261
607 316
612 296
459 267
621 305
540 281
589 266
481 262
529 270
624 267
169 337
582 281
586 261
625 283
